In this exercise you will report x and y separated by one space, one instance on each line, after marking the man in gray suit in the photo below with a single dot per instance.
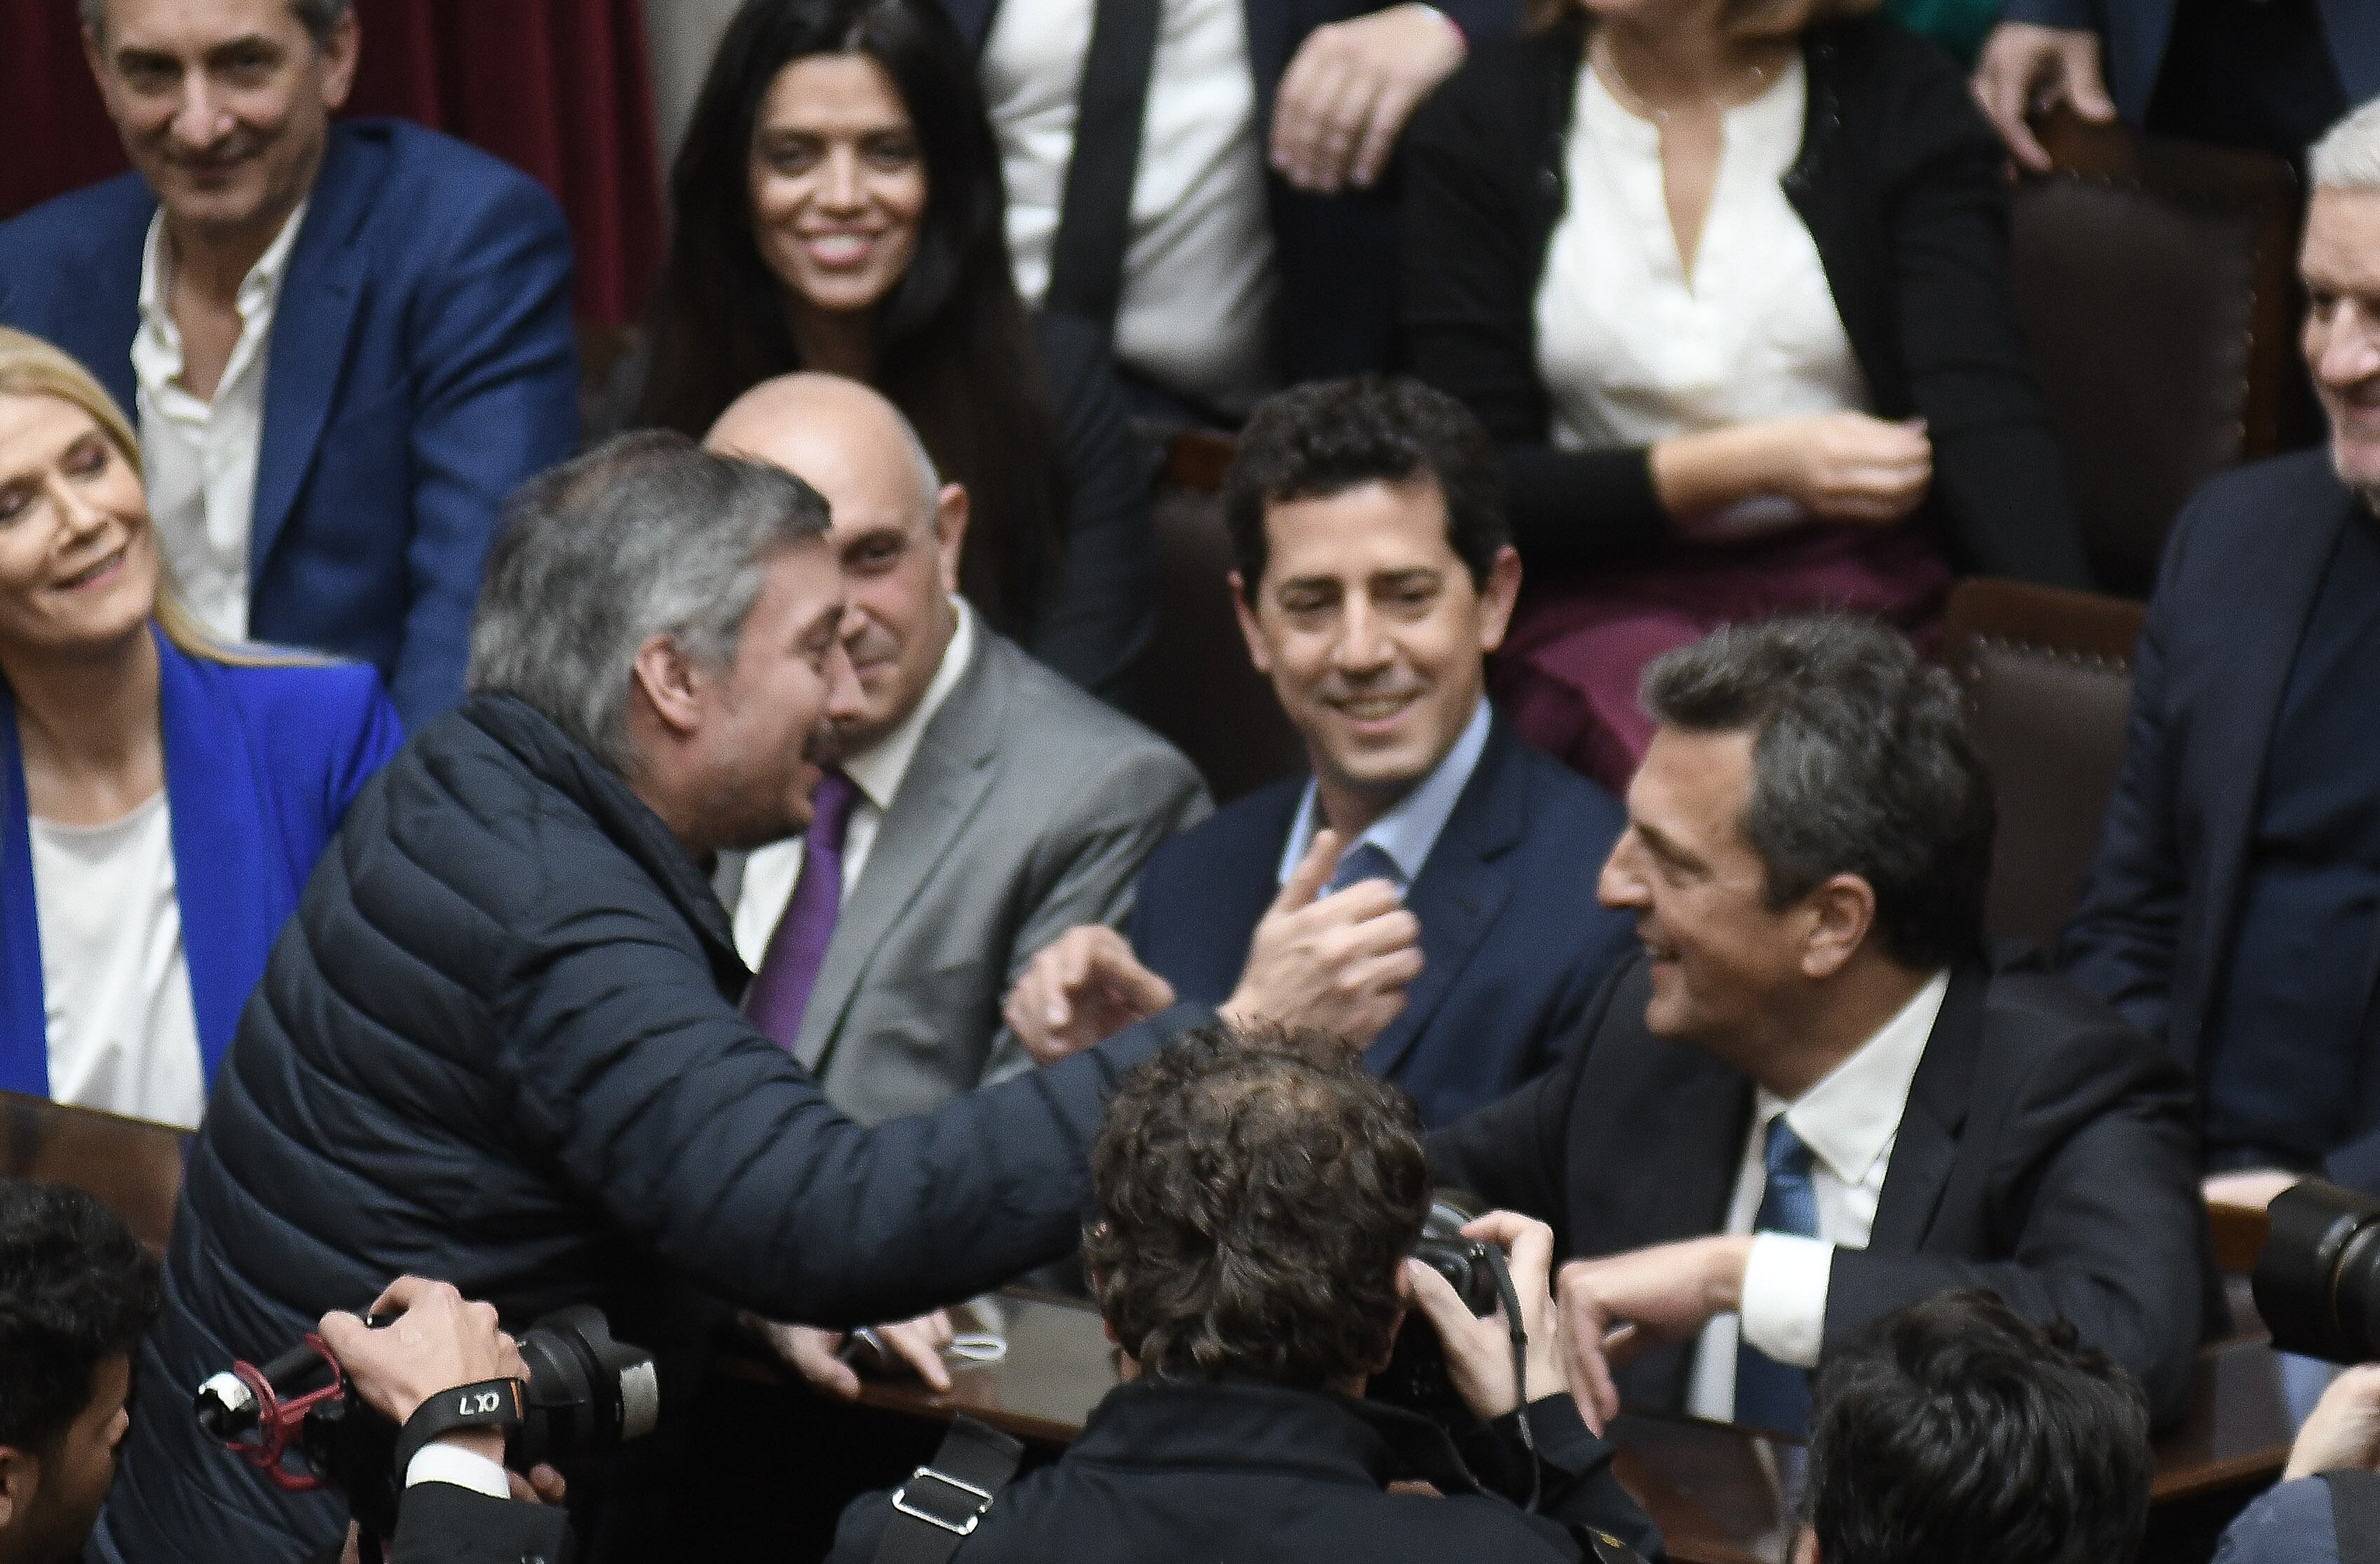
982 807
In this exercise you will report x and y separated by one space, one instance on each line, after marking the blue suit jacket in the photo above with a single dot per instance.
259 766
1336 255
2135 34
2153 933
423 364
1513 942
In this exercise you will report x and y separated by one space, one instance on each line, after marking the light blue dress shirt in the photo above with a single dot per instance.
1407 832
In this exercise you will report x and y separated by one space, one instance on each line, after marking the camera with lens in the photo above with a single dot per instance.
585 1394
1416 1377
2317 1283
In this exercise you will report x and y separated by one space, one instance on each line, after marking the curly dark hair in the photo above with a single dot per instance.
1861 764
1314 440
75 1290
1956 1431
1256 1193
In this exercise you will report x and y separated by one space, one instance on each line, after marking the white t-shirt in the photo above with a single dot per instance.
123 1034
1198 280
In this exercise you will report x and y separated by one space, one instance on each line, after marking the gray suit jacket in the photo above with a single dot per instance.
1028 808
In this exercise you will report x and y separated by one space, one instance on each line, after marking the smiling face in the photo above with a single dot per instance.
1373 634
838 183
2340 262
224 105
79 564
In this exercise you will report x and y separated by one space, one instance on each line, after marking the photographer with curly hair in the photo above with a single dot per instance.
1258 1197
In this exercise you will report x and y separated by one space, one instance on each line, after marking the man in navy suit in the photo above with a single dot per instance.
1429 889
2234 910
343 345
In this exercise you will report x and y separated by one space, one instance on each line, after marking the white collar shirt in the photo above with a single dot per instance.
201 457
877 772
1850 1121
1409 832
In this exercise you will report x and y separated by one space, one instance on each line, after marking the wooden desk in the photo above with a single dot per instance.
133 1165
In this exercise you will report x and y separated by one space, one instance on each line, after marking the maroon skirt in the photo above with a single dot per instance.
1568 672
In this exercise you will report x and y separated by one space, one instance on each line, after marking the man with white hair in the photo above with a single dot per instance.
2234 911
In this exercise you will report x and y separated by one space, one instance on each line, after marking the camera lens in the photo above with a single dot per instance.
586 1391
2317 1283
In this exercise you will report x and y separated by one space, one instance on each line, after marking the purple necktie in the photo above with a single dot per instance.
789 969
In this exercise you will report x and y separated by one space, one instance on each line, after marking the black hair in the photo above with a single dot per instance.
954 351
1315 440
75 1290
1954 1431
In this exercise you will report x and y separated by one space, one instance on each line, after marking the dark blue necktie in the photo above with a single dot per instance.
1769 1394
1366 860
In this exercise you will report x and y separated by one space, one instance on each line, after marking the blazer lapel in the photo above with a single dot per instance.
948 779
24 1017
1460 891
311 326
1927 1143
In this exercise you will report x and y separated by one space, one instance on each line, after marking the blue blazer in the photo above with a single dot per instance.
2134 34
1336 255
1513 942
423 364
2153 933
261 764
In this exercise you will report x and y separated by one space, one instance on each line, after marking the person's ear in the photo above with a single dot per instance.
1259 650
952 510
671 683
1837 916
20 1478
1806 1546
1496 596
340 52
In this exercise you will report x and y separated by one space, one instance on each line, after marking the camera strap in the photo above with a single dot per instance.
945 1500
2355 1506
491 1403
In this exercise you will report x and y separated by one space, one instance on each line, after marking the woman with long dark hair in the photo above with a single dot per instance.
839 207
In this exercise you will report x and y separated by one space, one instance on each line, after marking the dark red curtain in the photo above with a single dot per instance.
558 88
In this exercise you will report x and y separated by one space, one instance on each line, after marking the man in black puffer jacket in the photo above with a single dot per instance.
500 1045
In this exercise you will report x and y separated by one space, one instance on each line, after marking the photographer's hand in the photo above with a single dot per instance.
2344 1431
1479 1351
438 1342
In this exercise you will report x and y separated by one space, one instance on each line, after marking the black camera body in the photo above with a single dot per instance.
2317 1283
1416 1377
585 1394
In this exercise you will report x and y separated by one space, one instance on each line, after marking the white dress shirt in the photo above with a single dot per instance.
1407 832
1632 349
877 772
1850 1121
201 456
1198 280
116 988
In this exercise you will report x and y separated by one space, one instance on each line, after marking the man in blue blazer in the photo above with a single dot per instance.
1431 888
2234 910
343 345
1325 88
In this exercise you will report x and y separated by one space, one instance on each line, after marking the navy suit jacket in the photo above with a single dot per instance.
2153 933
423 364
2135 34
1513 943
1336 255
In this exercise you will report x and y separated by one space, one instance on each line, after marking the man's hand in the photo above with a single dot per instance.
437 1342
1616 1307
2345 1428
815 1355
2251 1188
2025 68
1339 963
1347 94
1085 985
1479 1351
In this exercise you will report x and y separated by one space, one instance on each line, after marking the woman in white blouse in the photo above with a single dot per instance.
1727 279
162 798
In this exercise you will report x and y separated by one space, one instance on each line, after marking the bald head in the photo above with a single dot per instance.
896 526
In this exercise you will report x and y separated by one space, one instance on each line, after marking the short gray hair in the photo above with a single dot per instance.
646 535
318 16
1861 764
2348 156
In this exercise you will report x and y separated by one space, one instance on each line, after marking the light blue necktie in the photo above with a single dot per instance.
1769 1394
1366 860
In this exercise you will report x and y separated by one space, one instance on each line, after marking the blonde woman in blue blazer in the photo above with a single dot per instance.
162 798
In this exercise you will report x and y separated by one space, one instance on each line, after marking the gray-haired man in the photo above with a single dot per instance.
500 1040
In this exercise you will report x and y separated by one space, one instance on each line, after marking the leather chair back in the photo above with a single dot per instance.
2049 679
1197 686
2155 284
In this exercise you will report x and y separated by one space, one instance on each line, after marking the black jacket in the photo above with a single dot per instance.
499 1045
1899 182
2046 1153
440 1523
1249 1473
